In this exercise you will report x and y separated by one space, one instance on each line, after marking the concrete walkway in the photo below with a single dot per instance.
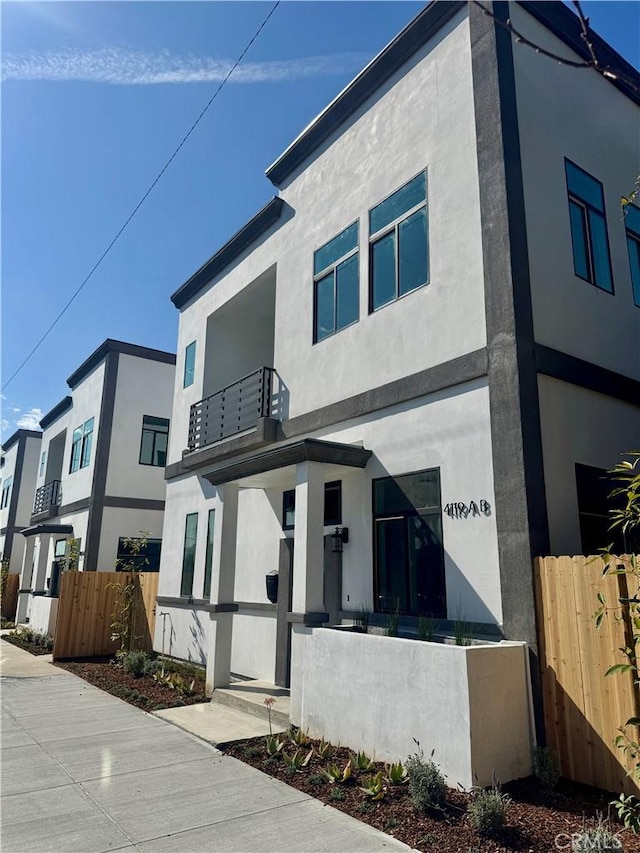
83 771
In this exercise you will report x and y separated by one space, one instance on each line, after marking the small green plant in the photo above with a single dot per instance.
488 810
546 767
463 632
323 749
274 745
364 807
628 810
362 621
373 787
176 682
393 620
391 823
317 779
360 761
596 839
71 560
251 751
269 702
333 773
337 794
151 666
297 736
426 782
297 762
426 628
397 773
135 663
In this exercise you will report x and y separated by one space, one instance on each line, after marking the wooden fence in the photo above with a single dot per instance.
9 603
86 607
583 710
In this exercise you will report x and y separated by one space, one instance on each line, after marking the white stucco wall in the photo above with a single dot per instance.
117 522
253 646
469 704
420 119
44 614
598 128
87 403
25 487
584 427
144 387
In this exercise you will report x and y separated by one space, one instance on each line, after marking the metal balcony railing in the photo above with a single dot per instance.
47 496
231 410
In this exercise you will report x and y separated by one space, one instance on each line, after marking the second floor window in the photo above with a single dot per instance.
399 244
632 222
81 446
6 491
189 365
155 437
591 260
43 462
336 284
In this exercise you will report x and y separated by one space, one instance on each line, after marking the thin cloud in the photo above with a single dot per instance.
115 66
30 419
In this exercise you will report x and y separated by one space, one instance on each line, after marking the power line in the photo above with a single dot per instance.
144 197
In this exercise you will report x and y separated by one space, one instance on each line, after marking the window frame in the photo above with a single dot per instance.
332 269
144 567
393 227
405 516
81 446
43 462
332 485
633 237
208 555
183 576
155 432
189 373
5 494
588 207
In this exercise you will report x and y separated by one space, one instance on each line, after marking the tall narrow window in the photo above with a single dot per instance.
336 284
43 462
153 444
189 364
399 244
208 560
81 446
408 549
632 222
189 554
6 491
591 260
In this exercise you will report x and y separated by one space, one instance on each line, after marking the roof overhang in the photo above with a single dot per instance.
307 450
38 529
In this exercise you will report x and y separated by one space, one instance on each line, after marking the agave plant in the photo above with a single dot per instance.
297 761
397 773
323 749
361 761
298 737
374 787
334 774
274 745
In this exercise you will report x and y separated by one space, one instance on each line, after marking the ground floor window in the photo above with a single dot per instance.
208 560
593 486
189 554
332 505
408 550
137 557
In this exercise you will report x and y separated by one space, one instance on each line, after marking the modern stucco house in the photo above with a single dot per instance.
421 354
100 472
18 472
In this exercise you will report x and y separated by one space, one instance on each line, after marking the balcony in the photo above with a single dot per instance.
232 410
47 499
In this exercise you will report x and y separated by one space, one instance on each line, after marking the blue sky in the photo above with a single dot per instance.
96 96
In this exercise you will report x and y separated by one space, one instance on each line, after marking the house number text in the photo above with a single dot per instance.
462 510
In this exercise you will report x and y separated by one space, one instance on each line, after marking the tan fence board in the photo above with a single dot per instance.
9 603
582 708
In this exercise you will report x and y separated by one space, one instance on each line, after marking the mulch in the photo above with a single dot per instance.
28 647
535 817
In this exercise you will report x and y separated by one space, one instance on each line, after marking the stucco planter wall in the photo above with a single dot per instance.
44 614
470 704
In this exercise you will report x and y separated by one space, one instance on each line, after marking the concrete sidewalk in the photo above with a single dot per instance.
83 771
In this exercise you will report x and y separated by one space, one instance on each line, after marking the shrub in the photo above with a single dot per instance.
135 663
546 768
151 666
488 810
316 779
426 782
337 794
596 839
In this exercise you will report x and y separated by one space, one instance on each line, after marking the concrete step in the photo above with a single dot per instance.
249 696
217 724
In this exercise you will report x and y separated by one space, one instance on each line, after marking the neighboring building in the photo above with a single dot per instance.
430 338
100 473
18 472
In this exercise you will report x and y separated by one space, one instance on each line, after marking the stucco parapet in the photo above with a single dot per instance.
265 432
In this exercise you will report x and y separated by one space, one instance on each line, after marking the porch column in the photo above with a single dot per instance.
41 561
308 572
223 574
25 579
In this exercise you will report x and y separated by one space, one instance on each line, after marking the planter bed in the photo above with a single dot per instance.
32 648
535 817
142 691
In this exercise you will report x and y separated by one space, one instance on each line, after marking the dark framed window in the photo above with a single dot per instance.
60 549
408 550
189 365
591 259
336 288
6 491
154 441
208 560
189 554
594 487
399 244
147 560
332 505
43 461
81 446
632 224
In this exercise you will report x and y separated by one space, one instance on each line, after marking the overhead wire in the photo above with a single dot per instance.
153 184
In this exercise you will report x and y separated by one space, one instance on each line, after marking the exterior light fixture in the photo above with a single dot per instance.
340 538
